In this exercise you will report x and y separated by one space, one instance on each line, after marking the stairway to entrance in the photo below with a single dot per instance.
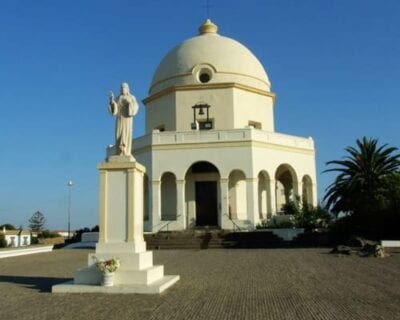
213 239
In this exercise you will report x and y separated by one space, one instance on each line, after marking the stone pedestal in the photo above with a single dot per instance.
121 236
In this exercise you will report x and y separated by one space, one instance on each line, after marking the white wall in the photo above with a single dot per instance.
161 112
253 107
221 110
19 240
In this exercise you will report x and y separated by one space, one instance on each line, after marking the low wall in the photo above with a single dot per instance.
287 234
391 246
21 252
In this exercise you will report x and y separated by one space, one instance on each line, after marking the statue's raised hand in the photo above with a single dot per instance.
111 95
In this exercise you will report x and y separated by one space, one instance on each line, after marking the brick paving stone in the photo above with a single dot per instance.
215 284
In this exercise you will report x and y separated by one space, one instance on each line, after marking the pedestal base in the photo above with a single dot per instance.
137 274
154 288
121 235
116 158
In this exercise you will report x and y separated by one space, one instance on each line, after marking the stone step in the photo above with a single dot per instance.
153 288
212 240
139 277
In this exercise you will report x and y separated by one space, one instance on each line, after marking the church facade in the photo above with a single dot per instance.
211 153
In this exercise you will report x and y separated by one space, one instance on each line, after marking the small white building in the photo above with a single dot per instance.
64 233
17 238
210 149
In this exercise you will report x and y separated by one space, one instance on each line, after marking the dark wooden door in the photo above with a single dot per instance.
206 203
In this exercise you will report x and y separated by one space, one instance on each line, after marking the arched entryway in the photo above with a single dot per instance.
307 190
202 194
168 196
237 195
264 195
286 183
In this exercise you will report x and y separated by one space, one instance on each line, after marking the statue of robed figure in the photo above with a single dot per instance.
123 108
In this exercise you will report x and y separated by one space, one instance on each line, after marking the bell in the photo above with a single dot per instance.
201 111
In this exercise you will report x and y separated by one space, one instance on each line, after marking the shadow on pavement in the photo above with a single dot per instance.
42 284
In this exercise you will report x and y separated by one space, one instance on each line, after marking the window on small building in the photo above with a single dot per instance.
25 241
255 124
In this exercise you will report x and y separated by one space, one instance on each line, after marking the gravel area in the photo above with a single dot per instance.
215 284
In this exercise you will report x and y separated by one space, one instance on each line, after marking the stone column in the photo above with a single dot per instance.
252 200
298 190
102 206
180 203
223 218
155 212
121 207
272 196
314 194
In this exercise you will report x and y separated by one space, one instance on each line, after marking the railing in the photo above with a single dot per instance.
245 134
233 222
165 226
168 223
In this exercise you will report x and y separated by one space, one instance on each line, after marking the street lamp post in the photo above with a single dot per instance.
69 185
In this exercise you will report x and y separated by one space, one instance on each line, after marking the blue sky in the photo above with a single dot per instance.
334 65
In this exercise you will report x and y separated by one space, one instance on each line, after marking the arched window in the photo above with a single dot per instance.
168 196
285 186
237 195
264 195
307 190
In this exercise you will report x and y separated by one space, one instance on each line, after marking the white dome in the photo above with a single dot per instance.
224 60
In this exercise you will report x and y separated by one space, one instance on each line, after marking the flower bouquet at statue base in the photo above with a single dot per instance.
107 268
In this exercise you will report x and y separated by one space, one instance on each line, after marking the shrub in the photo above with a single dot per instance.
3 242
292 207
273 224
8 226
77 237
305 216
49 234
310 217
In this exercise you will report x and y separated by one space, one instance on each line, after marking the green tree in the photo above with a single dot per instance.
391 192
37 221
8 226
360 185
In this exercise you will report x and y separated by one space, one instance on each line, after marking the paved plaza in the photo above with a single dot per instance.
215 284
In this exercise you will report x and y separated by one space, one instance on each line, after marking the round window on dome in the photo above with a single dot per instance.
204 75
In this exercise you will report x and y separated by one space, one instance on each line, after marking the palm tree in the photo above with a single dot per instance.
361 177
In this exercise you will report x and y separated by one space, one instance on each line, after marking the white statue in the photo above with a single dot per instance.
124 108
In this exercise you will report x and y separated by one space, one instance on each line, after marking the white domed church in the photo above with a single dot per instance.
211 153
